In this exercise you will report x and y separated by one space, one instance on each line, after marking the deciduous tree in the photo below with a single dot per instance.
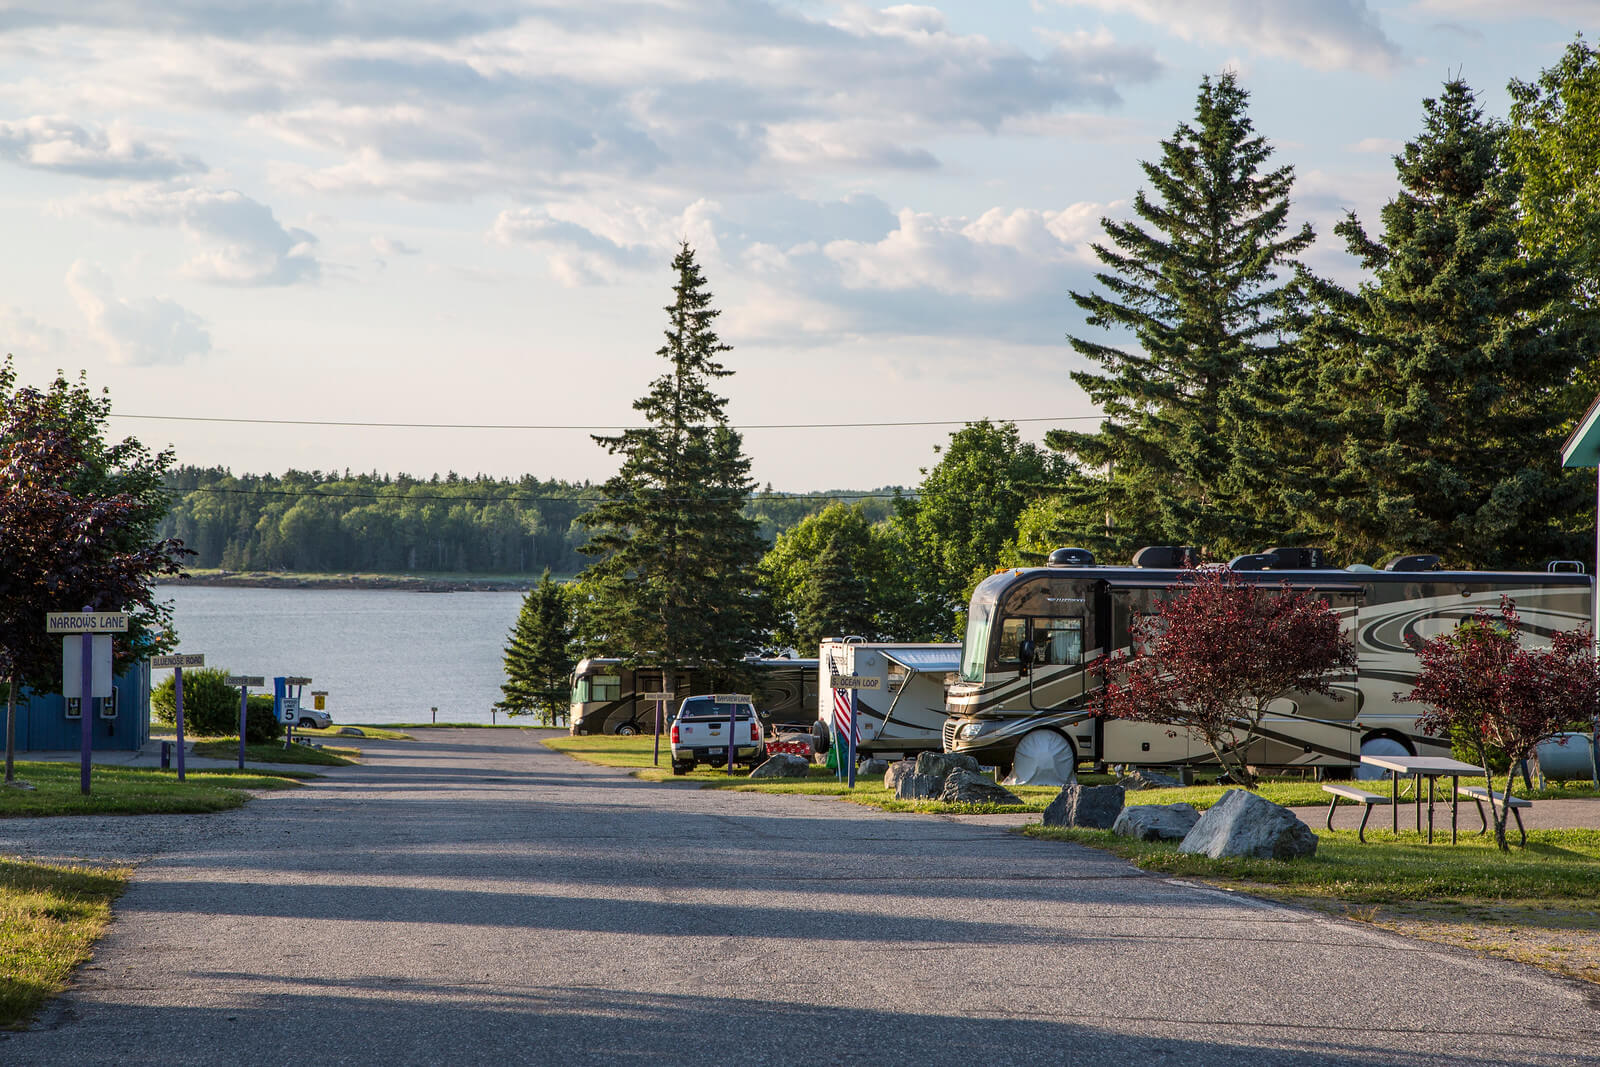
1218 653
1482 686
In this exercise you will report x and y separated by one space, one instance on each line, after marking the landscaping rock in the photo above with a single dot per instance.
918 787
970 787
940 764
1091 806
1137 780
872 766
351 731
782 765
1243 824
897 771
1156 822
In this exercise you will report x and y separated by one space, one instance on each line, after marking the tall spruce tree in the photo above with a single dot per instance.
674 580
835 600
1201 286
538 658
1441 381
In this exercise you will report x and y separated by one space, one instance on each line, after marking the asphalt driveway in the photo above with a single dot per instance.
472 897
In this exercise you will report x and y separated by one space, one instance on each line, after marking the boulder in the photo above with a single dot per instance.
1156 822
1092 806
940 764
872 766
897 771
351 731
969 787
1137 780
1243 824
783 765
918 787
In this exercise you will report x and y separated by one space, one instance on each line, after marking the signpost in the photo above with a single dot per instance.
661 700
88 622
286 705
852 682
178 663
735 699
245 682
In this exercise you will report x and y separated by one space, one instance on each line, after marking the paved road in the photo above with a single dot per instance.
474 898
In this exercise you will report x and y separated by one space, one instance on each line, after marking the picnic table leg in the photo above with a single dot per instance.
1455 804
1330 812
1430 808
1416 784
1394 801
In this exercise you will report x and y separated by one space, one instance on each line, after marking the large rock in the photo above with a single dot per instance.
871 767
1156 822
1243 824
940 764
1147 780
897 771
918 787
1092 806
970 787
783 765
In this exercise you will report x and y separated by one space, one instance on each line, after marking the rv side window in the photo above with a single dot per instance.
1056 642
607 687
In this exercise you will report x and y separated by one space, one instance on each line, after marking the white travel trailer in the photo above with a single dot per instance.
1028 686
906 713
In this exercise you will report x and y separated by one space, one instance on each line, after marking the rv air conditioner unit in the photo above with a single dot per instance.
1413 563
1071 557
1167 557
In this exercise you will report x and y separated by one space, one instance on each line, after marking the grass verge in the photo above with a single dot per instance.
129 791
228 748
368 733
50 917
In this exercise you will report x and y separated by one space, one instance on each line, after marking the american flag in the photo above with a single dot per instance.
841 713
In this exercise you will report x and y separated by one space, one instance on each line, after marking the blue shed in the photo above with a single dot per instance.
43 726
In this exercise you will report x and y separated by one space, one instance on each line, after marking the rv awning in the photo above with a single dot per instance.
925 659
1583 447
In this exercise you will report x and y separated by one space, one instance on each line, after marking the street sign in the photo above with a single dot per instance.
85 622
289 712
99 661
297 681
249 681
855 681
733 698
192 659
657 696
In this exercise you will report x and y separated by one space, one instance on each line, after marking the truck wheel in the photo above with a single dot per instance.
627 729
682 766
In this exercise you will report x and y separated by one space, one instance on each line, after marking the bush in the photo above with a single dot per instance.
211 707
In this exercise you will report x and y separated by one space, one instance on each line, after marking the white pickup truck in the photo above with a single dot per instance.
701 732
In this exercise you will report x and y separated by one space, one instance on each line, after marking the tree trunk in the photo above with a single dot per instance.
1237 771
11 727
1498 814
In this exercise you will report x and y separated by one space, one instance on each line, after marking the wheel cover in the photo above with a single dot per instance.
1044 757
1379 746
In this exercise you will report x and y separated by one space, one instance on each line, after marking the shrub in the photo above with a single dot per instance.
211 707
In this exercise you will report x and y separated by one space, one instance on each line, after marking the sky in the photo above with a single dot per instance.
464 214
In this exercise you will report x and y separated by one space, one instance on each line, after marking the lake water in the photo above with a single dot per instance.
383 655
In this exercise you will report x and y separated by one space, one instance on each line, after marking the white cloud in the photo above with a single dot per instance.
587 244
241 241
27 337
1386 145
389 246
137 332
1321 34
1499 10
58 144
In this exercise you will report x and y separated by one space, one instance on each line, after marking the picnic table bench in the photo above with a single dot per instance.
1479 794
1359 796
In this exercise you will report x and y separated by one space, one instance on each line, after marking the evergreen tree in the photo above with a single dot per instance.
538 655
1201 286
835 600
674 580
1441 382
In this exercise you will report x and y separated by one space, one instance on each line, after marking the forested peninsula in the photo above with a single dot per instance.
412 530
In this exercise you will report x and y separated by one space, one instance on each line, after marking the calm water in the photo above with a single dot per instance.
382 655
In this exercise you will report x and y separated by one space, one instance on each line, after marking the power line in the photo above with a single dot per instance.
587 429
402 495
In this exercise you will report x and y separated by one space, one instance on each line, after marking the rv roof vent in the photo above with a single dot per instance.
1259 561
1298 559
1569 566
1071 557
1167 557
1413 563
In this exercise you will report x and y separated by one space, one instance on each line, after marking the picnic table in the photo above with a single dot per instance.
1419 767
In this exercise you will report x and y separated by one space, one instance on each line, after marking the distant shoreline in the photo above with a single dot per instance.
415 584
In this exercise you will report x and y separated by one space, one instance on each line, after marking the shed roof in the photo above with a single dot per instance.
1583 447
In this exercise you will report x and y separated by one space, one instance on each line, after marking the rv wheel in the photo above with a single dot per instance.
627 729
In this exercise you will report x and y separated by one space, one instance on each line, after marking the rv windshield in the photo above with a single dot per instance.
980 616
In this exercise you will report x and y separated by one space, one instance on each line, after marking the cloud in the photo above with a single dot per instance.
63 146
1386 145
241 241
140 333
26 336
1499 10
389 246
1321 34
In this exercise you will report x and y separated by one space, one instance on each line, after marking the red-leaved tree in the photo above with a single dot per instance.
1483 687
1218 653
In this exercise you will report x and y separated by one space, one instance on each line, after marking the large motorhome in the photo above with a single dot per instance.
906 713
1038 713
605 694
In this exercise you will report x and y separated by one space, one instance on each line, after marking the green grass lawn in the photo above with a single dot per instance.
368 733
129 791
275 752
50 917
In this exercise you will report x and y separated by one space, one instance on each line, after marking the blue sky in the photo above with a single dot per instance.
415 211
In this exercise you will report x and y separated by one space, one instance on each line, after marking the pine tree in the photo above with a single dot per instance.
538 655
1198 287
674 580
835 601
1441 381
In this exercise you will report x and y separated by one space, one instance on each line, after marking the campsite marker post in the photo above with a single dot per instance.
852 682
94 675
